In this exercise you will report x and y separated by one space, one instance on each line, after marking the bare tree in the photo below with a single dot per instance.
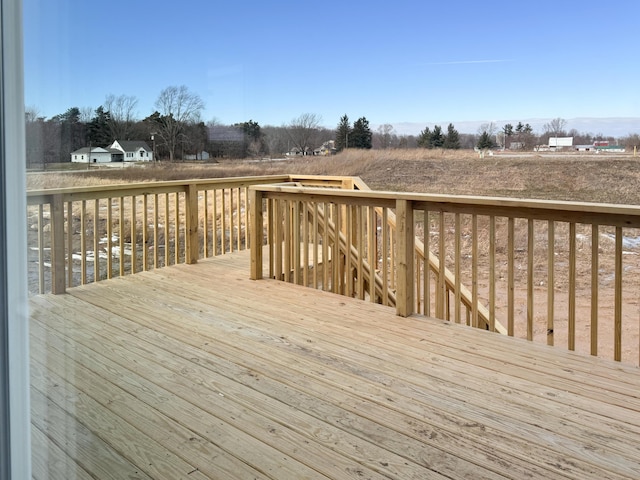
303 131
555 127
384 136
177 107
276 140
122 110
489 128
31 113
86 114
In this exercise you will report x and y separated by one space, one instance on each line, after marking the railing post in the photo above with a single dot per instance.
256 237
405 257
57 245
191 225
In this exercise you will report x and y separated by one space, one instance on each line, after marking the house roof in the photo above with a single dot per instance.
83 150
133 145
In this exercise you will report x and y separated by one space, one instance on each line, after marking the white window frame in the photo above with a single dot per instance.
15 454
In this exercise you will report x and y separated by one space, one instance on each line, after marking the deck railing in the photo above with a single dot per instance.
557 272
85 234
489 262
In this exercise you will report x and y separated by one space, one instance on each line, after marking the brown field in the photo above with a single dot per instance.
590 178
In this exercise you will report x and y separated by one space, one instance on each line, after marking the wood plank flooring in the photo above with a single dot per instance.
195 371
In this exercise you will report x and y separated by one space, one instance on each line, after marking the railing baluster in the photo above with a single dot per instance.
145 232
287 241
223 223
385 258
279 239
348 253
176 234
441 267
316 246
551 251
41 247
156 227
371 253
571 344
205 224
295 220
191 225
83 242
457 266
474 271
134 235
492 274
121 234
231 224
167 230
360 250
510 276
392 256
239 220
57 245
247 230
69 256
419 265
530 255
336 257
617 329
325 247
595 244
96 252
214 222
109 237
305 243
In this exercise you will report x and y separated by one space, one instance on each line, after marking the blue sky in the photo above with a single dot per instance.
411 62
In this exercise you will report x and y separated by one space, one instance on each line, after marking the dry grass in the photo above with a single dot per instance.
591 178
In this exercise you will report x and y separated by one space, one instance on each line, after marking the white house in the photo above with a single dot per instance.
558 143
134 151
96 155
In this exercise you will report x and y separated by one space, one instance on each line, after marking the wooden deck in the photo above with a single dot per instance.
196 372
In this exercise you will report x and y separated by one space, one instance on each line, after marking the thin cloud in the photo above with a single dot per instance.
469 62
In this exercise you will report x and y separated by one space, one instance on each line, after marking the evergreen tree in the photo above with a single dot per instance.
361 134
253 137
424 139
437 138
342 134
73 133
485 142
452 140
99 131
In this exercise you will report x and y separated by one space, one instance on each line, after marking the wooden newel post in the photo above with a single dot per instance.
191 225
405 257
256 238
58 274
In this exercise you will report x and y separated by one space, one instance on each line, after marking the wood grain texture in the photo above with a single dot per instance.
195 371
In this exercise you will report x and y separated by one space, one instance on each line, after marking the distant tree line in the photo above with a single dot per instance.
175 130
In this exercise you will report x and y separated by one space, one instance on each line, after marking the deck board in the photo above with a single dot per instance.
194 371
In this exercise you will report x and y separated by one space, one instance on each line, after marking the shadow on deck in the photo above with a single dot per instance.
195 371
